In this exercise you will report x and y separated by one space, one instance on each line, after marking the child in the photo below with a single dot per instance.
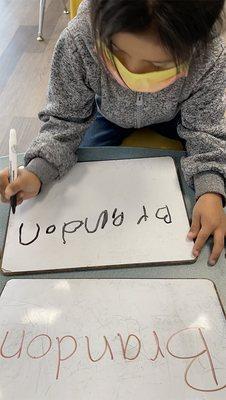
122 65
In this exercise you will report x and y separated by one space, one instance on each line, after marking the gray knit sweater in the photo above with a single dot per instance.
77 76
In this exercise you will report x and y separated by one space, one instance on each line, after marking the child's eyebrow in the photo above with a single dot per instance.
150 61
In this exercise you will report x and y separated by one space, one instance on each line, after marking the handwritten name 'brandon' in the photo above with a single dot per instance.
113 218
66 350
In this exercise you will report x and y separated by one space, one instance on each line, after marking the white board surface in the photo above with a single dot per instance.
139 206
112 339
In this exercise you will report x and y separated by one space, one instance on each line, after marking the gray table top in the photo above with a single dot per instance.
197 270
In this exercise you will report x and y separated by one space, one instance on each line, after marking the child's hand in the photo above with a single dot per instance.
26 186
208 219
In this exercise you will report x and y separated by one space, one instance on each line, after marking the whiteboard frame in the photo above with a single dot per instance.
7 271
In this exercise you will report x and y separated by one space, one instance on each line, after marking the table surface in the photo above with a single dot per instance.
199 269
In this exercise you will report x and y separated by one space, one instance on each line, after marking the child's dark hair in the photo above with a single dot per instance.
182 25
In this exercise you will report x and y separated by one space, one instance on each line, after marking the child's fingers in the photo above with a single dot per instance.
202 237
13 188
4 180
195 228
25 195
3 199
19 198
19 202
217 247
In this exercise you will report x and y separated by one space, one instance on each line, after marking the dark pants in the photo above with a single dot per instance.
105 133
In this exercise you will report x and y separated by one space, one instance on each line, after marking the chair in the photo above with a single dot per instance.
41 16
145 137
74 4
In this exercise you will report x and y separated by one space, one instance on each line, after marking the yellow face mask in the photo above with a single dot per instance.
150 82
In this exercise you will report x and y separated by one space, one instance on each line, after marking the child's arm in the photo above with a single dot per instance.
203 128
69 111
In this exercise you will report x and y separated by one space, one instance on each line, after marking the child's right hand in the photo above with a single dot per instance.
26 186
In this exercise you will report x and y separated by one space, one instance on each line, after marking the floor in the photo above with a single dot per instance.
24 66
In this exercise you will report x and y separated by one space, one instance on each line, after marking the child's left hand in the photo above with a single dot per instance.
208 219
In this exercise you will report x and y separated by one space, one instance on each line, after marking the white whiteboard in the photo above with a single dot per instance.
141 212
152 330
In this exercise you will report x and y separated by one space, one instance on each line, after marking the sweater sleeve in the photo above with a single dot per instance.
203 128
69 111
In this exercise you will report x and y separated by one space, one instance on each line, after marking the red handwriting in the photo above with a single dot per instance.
196 357
36 357
18 353
125 346
107 347
158 351
64 348
60 359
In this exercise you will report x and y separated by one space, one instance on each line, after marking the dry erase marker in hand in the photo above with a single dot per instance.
12 164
